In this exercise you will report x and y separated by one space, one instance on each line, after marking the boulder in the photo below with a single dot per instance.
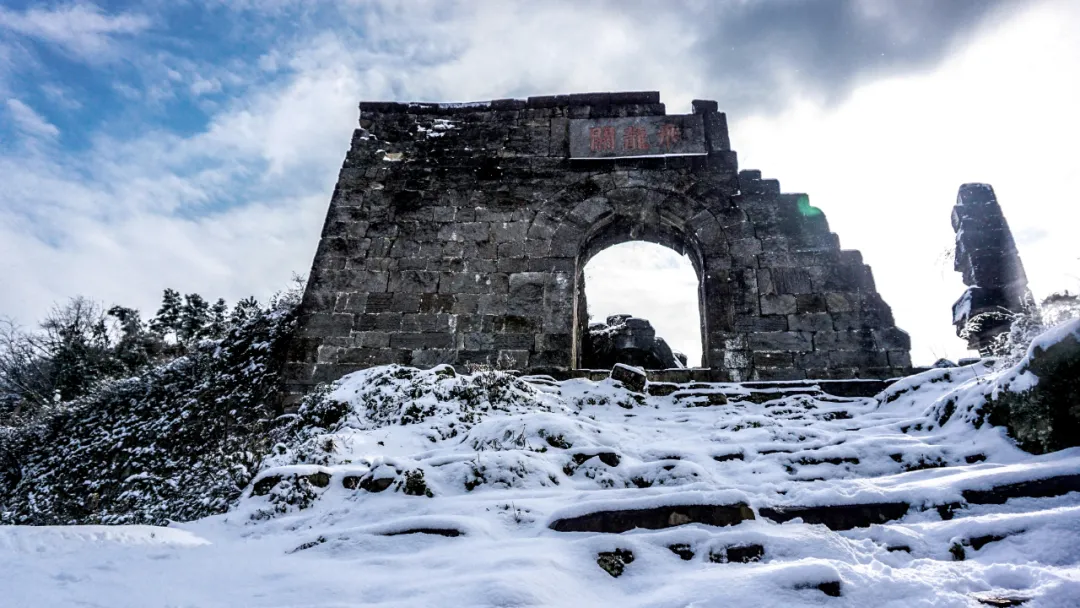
630 340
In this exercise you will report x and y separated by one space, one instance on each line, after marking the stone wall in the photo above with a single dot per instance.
459 232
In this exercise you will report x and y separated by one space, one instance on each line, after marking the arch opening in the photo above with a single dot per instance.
649 270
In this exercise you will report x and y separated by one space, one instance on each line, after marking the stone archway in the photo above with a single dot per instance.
457 234
596 213
626 214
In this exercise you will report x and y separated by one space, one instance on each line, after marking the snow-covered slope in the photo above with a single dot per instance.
431 488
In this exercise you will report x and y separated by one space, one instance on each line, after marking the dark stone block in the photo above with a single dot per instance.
772 323
812 302
615 522
414 281
508 104
415 340
379 302
703 106
631 377
514 341
635 97
839 517
773 359
791 280
817 321
782 341
588 99
1036 488
436 302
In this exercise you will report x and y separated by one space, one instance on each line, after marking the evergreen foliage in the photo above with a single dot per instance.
117 423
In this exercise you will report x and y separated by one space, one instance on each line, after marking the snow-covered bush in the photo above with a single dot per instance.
446 403
1011 346
176 442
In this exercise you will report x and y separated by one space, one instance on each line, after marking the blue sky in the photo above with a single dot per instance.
195 145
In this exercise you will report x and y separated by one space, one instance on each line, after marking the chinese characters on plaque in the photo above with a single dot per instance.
634 137
679 134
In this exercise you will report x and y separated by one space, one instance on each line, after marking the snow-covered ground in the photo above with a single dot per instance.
345 518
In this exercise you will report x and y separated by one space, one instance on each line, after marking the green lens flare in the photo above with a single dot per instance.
805 208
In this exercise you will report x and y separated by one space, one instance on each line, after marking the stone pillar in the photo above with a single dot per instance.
987 258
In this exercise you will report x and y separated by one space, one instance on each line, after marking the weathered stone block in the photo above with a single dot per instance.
811 302
373 339
816 321
633 378
367 281
789 341
844 340
892 338
379 302
509 232
900 358
735 359
791 280
425 322
414 281
858 358
419 340
434 356
778 373
383 321
323 325
841 302
773 359
436 302
758 324
782 304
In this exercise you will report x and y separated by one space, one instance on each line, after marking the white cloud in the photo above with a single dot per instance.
126 218
82 29
30 122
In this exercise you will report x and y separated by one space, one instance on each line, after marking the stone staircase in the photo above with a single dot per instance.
764 476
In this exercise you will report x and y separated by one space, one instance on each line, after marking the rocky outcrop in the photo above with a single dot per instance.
1044 416
629 340
986 255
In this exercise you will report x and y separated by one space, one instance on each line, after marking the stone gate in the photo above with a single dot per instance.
459 233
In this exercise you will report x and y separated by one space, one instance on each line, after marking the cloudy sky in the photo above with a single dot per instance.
195 145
